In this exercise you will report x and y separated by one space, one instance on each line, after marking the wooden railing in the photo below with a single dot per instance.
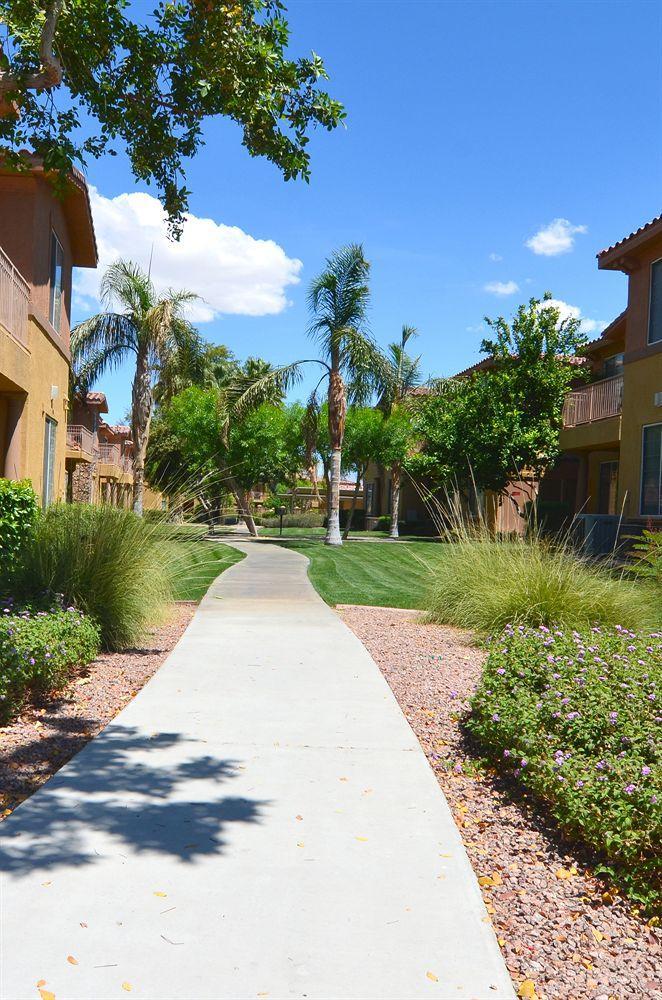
80 439
14 299
596 401
109 454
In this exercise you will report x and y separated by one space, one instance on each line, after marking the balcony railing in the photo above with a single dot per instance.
14 299
596 401
79 438
109 454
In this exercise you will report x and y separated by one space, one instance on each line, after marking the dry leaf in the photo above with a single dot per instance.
586 962
300 843
501 942
299 818
431 975
46 884
127 987
362 839
343 779
46 995
161 894
71 960
565 873
597 935
83 924
42 982
527 989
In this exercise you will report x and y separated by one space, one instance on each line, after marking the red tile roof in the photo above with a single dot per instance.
621 244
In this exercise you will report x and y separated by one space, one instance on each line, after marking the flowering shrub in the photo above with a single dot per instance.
575 717
38 649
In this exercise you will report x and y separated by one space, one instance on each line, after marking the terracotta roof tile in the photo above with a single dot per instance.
637 232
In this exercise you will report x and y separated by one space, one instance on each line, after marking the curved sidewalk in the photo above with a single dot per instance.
260 821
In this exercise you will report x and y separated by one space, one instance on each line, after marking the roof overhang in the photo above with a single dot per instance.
619 257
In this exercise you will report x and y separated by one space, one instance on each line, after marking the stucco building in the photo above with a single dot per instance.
42 237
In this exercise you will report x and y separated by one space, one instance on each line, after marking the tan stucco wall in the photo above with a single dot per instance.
31 374
642 379
599 434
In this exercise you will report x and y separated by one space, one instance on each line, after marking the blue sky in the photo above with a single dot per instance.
470 128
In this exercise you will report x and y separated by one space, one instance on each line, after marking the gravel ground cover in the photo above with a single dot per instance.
47 734
563 934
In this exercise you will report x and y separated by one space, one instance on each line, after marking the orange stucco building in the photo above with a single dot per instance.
42 237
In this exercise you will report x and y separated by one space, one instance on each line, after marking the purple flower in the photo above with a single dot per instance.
506 753
453 694
645 770
501 670
496 717
629 789
613 716
580 784
458 768
523 762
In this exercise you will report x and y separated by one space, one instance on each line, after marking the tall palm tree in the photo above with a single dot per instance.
399 374
152 328
338 301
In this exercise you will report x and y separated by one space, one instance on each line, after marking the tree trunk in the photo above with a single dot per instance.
244 504
141 418
360 473
313 480
395 499
337 413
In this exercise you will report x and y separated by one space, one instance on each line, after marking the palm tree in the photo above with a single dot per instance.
149 326
399 374
338 301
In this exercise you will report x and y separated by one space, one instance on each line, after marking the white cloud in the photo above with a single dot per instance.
558 237
566 311
496 257
501 287
232 272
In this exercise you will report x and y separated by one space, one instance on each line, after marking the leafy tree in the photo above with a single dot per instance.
399 375
338 300
151 328
363 444
506 418
150 81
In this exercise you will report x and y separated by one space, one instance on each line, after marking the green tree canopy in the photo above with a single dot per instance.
150 79
497 422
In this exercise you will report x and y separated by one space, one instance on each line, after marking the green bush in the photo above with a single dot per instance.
103 560
648 547
38 650
484 583
18 510
574 717
302 519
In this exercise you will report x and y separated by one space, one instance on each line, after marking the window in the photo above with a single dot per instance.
655 309
613 365
57 264
607 487
49 461
651 470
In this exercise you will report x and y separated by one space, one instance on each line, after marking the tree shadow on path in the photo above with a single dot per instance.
127 792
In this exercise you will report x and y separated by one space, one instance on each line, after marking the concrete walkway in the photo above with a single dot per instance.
259 822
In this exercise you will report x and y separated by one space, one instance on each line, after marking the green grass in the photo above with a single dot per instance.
321 532
196 565
394 575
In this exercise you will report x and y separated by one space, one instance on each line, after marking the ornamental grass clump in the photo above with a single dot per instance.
39 649
104 561
574 717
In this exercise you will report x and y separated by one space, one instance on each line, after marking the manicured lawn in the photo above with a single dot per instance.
321 532
395 575
197 564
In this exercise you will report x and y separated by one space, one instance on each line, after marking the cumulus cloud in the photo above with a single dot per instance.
231 271
566 311
501 287
496 257
556 238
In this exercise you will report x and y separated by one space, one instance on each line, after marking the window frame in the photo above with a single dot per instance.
48 465
52 268
644 428
650 342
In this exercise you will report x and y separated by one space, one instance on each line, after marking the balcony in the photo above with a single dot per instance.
14 300
81 444
596 401
592 416
110 461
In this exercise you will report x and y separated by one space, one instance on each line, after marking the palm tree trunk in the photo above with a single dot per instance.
395 499
313 480
360 473
141 417
337 412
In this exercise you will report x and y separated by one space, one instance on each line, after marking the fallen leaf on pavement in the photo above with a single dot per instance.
431 975
161 894
127 987
46 995
71 960
527 989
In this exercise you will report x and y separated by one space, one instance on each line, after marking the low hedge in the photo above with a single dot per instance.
38 651
575 718
18 510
